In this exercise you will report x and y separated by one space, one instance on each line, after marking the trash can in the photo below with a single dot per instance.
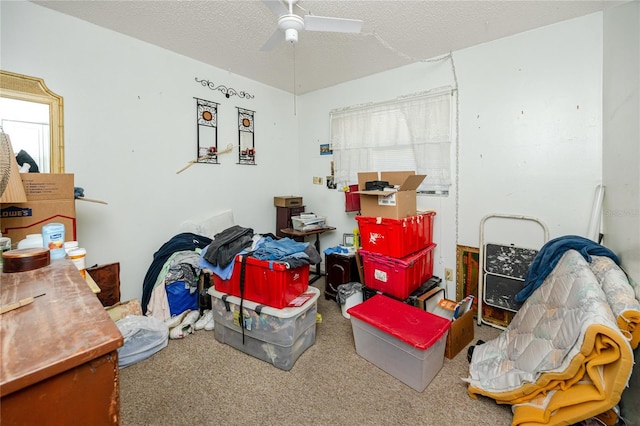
349 295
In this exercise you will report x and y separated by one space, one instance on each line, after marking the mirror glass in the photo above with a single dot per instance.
31 115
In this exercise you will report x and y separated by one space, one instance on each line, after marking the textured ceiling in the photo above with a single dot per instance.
229 34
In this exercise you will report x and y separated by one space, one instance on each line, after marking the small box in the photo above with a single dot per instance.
429 285
460 335
277 336
287 201
309 222
402 340
397 277
17 220
428 301
48 186
266 282
392 203
396 237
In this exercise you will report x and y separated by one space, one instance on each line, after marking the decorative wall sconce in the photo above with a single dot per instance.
226 91
247 149
207 131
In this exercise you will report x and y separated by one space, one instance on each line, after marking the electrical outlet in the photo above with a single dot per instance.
448 274
317 180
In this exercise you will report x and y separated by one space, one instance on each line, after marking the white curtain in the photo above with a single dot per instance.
409 133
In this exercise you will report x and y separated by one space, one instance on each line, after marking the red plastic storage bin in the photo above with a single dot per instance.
402 340
397 277
396 237
266 282
352 199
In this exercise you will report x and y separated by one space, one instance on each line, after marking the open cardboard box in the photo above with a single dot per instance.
392 203
461 331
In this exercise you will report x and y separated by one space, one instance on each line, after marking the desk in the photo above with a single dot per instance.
317 232
59 359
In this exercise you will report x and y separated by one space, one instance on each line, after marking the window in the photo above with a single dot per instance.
408 133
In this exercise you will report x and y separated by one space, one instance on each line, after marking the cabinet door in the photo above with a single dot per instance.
340 270
283 218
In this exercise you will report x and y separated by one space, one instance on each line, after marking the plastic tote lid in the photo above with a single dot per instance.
418 328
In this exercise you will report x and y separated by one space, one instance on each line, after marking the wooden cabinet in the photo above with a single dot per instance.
59 359
340 269
283 218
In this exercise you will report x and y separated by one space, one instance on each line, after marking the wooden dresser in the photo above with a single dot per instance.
59 359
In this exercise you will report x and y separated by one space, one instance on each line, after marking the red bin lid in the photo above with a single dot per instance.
418 328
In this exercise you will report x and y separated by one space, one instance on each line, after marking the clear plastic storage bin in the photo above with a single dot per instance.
278 336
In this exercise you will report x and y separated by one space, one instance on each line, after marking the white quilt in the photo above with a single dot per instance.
564 357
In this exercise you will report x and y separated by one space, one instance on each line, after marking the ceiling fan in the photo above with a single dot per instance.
291 24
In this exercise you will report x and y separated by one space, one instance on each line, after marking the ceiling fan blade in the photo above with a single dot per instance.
276 7
273 41
336 25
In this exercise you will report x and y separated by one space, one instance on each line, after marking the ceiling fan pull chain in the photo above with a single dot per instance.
295 109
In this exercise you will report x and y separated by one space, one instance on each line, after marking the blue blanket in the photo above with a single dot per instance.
549 256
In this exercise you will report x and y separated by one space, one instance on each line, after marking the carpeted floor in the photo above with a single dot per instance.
199 381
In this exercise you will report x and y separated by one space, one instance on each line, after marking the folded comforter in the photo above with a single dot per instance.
563 358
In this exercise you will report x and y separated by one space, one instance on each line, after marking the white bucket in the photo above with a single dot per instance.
352 300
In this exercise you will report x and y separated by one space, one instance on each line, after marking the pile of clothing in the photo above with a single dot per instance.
173 291
219 257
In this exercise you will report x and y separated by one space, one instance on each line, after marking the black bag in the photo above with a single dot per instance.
227 244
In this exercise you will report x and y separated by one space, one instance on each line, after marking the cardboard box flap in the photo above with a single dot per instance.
412 183
396 178
364 177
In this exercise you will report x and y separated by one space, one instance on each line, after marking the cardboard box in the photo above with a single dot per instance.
17 220
287 201
431 284
460 335
48 186
395 204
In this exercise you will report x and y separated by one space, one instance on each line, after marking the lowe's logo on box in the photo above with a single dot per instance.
14 211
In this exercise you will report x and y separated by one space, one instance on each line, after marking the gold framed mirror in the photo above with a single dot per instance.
32 89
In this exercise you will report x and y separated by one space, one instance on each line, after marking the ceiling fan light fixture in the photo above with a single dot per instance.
291 35
291 24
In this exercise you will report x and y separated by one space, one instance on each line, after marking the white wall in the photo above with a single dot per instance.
129 117
530 134
529 143
621 157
